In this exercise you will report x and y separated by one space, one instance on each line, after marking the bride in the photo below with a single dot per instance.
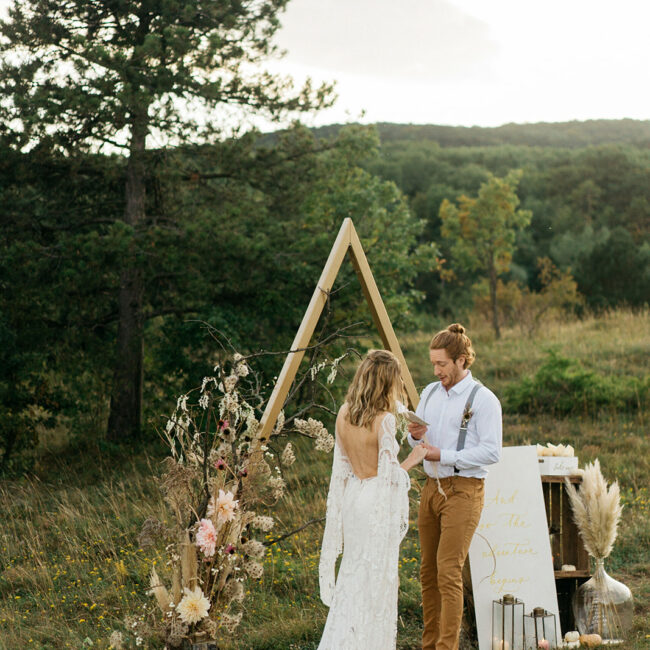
367 512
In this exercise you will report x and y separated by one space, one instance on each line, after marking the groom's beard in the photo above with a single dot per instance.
451 377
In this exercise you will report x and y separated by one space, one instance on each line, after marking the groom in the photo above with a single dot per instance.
463 435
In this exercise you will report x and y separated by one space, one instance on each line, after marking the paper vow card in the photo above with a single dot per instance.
511 551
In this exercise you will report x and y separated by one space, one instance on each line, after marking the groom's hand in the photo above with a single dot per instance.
417 431
433 453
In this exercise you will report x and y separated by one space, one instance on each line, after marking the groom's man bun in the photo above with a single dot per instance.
455 342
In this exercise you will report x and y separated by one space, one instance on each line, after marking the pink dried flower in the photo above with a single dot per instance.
229 550
223 506
206 537
220 464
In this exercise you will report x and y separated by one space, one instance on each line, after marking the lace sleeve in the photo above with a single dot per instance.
391 519
393 505
333 534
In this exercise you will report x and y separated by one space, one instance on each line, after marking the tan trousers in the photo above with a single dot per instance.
446 528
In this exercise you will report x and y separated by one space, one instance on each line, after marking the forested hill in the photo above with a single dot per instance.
543 134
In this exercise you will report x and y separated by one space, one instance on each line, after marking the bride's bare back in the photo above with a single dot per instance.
359 444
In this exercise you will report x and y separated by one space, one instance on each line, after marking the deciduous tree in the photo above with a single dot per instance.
480 232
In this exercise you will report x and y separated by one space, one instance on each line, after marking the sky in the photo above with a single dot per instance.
470 62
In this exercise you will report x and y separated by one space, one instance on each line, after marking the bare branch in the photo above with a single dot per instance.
270 542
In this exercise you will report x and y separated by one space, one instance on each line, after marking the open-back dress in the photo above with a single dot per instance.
367 520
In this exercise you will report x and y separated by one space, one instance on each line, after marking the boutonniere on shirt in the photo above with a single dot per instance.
467 416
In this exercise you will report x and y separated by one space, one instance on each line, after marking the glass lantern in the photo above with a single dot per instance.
540 630
508 623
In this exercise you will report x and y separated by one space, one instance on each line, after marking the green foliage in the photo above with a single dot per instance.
79 75
557 134
480 233
616 271
580 182
238 237
562 386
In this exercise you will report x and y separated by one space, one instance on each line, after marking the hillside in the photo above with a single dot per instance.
570 135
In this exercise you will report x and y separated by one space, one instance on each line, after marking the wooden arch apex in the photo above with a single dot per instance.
347 241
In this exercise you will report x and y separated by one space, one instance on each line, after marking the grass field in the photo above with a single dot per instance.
71 569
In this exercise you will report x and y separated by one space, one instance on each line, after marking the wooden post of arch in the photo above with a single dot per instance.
347 241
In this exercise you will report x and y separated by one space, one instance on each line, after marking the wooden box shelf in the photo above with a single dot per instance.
566 544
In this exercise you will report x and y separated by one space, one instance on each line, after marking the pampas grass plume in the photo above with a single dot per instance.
596 511
159 591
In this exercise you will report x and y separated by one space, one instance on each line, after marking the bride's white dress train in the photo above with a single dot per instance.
367 519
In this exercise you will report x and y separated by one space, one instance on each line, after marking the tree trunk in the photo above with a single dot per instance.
492 274
125 415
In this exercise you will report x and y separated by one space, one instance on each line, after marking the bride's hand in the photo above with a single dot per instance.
417 455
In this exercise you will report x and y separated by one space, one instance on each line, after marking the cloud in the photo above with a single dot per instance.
423 39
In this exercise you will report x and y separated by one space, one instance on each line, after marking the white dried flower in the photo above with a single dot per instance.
252 425
310 427
324 441
263 523
194 606
237 357
277 484
230 382
314 370
235 591
288 457
241 370
206 381
229 404
116 640
335 368
230 622
254 548
279 423
204 401
181 403
254 569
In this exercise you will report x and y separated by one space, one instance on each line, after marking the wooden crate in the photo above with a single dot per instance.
566 545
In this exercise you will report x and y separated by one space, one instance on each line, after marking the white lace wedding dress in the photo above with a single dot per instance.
367 519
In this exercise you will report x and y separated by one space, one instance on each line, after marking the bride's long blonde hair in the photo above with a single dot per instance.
376 386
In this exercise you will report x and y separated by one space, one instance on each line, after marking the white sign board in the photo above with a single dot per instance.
511 551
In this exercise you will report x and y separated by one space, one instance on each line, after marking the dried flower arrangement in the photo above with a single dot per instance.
596 511
219 472
601 605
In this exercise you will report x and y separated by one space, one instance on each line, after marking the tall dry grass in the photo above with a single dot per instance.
71 568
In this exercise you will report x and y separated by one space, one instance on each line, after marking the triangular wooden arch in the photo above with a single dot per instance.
347 241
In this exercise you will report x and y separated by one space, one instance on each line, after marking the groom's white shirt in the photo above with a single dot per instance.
444 413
